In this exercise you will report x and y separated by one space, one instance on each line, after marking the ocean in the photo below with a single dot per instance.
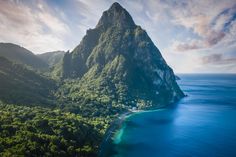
203 124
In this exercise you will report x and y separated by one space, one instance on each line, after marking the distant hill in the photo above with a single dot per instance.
19 85
52 58
18 54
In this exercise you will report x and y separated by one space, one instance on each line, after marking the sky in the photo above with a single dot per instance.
194 36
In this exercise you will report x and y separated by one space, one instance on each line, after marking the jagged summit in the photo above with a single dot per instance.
116 7
116 15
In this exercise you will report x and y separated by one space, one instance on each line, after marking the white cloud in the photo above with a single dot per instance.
38 31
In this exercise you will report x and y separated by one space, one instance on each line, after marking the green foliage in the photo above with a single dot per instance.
52 58
21 85
41 131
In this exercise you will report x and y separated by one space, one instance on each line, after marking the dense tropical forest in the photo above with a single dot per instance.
39 131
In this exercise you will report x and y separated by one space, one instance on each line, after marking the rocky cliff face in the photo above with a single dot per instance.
117 60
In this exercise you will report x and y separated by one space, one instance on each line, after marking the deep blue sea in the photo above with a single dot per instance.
200 125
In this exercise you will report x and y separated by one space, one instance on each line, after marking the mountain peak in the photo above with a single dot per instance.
118 60
116 15
116 6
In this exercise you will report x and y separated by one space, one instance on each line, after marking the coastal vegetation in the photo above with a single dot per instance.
39 131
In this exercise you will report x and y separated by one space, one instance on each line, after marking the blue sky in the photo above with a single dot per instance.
194 36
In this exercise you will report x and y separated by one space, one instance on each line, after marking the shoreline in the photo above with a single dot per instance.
107 142
113 128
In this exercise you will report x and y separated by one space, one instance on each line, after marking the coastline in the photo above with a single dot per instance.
111 131
107 143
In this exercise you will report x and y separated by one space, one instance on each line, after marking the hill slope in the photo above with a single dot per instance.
19 85
117 63
21 55
52 58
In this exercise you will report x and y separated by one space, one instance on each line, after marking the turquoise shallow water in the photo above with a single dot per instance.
202 124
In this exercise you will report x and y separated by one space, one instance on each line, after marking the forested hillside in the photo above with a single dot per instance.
33 120
21 85
38 131
52 58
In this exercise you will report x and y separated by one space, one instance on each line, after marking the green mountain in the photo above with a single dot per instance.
115 68
52 58
117 63
20 85
21 55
